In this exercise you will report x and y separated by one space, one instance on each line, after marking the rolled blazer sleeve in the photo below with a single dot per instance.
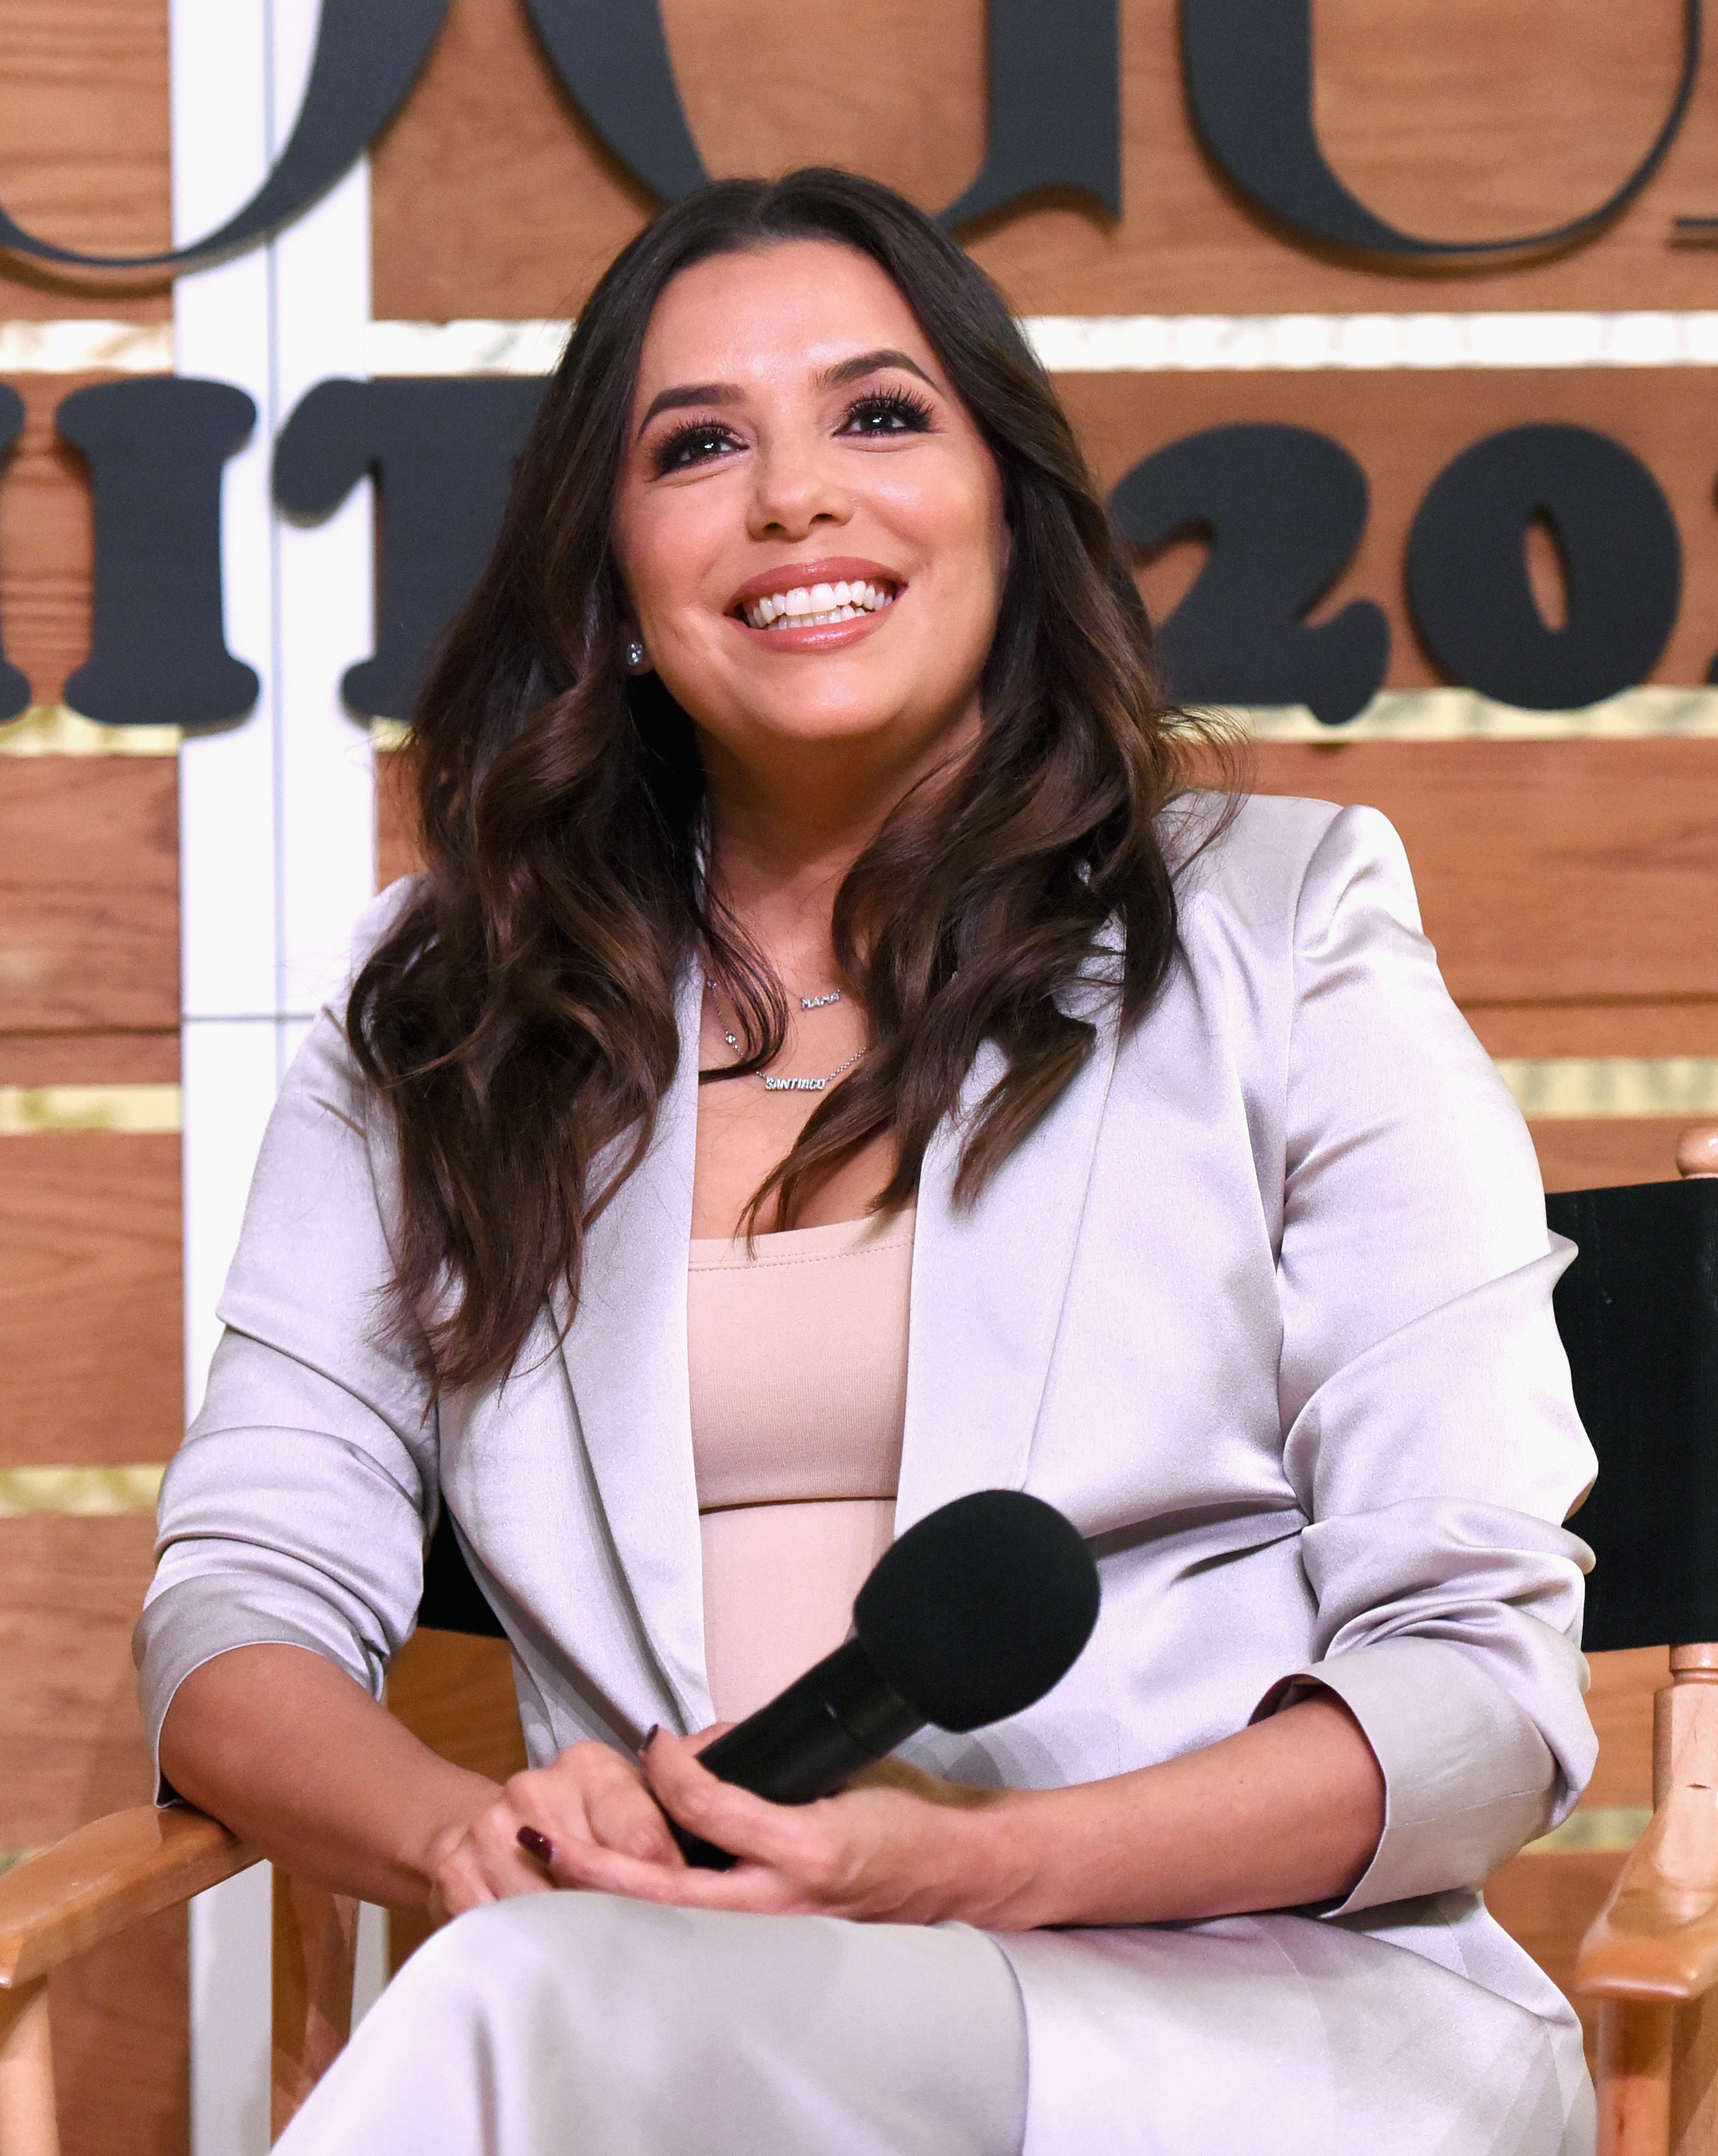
1432 1437
296 1510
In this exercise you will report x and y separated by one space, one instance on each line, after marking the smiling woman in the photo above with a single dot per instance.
834 1063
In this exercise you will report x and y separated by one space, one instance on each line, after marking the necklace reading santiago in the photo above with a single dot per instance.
772 1084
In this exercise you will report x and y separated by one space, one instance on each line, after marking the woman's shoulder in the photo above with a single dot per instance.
1262 858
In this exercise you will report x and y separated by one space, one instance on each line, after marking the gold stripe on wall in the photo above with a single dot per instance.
1598 1828
1550 1090
82 1492
30 1110
1445 715
1614 1085
57 730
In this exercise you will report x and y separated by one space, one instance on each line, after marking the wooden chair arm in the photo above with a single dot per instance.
1657 1935
103 1878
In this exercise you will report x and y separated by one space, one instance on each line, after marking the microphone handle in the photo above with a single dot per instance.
840 1717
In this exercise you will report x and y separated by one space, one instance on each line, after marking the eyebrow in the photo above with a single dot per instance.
837 377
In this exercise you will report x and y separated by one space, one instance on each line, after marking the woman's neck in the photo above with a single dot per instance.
784 835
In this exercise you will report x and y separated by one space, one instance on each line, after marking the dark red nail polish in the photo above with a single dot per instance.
536 1845
654 1730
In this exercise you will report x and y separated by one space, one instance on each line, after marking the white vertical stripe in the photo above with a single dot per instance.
230 1936
276 813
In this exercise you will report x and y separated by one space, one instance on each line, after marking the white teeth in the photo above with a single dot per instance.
811 608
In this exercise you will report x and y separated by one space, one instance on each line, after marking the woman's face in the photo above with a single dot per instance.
809 525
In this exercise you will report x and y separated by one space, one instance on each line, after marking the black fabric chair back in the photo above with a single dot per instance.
453 1601
1638 1311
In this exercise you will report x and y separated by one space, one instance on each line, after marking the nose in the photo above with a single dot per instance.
795 487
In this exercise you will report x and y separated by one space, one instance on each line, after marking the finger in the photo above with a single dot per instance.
591 1794
785 1837
625 1817
756 1888
473 1873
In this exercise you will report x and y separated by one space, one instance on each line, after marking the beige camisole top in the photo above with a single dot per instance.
797 1356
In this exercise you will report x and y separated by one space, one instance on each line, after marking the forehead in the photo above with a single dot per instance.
772 313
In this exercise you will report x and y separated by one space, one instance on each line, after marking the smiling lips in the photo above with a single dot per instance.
810 606
816 604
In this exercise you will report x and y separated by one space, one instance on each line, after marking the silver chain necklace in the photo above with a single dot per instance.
772 1084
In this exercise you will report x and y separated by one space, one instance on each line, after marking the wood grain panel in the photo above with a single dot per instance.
1465 119
136 1058
1545 1903
489 195
1590 1153
122 2065
456 1694
71 1750
47 542
492 198
85 150
71 1739
90 1353
397 850
1403 425
89 893
1568 872
1640 1027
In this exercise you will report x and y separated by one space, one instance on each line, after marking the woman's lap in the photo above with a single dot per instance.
584 2026
577 2025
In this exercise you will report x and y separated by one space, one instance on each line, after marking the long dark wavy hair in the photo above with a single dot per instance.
519 1018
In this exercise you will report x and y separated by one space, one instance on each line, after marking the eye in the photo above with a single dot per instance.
696 442
887 412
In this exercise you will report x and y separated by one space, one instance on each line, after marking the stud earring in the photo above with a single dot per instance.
634 654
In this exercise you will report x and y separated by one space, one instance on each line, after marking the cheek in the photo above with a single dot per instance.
667 550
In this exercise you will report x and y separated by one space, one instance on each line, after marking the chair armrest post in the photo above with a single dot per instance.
1635 2044
315 1945
27 2124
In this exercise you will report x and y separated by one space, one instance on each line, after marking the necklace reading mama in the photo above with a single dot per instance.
773 1084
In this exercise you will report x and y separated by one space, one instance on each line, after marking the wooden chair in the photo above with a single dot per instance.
109 1876
1638 1313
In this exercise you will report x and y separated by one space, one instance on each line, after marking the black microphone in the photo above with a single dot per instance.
973 1615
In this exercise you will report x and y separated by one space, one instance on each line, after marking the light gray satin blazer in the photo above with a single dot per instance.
1263 1305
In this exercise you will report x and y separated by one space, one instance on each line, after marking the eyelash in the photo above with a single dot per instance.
676 451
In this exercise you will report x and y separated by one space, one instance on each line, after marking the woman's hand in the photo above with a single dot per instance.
592 1800
895 1846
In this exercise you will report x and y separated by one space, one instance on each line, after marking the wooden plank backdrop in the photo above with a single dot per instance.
1458 119
1569 886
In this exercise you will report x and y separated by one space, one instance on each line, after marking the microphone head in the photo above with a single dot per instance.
979 1608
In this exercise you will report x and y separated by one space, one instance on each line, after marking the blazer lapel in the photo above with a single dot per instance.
988 1286
625 1359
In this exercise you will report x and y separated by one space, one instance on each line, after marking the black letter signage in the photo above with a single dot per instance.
612 57
1249 70
1284 508
1467 568
368 54
1055 107
14 687
158 655
442 449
